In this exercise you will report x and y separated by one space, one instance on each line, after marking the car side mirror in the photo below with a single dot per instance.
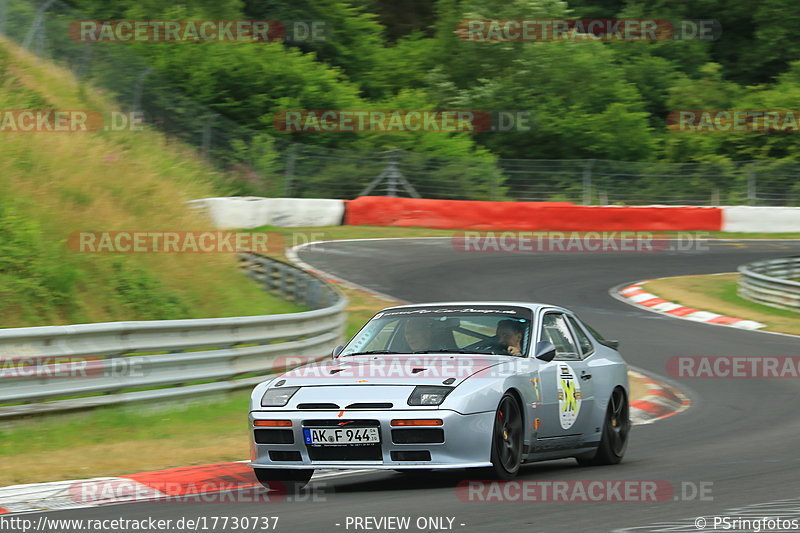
336 351
611 344
545 351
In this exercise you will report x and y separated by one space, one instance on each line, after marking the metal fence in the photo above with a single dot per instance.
774 282
61 368
289 282
263 163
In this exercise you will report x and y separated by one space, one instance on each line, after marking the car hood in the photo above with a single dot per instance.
417 369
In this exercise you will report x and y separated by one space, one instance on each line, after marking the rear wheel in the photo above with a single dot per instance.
287 481
506 439
616 427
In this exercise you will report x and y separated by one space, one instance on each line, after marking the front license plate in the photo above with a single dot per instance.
341 435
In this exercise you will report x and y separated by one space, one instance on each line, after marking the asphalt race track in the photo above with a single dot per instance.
742 435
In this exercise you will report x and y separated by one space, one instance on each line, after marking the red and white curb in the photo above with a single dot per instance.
215 483
660 402
636 294
157 485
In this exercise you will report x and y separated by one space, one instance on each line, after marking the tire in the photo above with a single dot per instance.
286 481
506 453
616 427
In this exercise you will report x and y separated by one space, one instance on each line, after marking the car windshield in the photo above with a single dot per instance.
476 329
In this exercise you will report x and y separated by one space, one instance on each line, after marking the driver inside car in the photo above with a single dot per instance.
418 334
509 333
507 339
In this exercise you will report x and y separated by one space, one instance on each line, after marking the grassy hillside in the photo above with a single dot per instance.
52 184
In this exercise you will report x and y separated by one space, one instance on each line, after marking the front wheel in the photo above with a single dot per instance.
616 427
506 439
287 481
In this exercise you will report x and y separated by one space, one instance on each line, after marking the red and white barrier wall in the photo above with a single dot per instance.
542 216
528 216
252 212
761 219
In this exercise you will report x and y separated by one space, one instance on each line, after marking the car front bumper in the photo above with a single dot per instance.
466 441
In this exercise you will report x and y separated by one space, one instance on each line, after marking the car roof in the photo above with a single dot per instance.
533 306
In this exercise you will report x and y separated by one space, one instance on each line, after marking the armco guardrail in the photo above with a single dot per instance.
289 282
774 282
120 362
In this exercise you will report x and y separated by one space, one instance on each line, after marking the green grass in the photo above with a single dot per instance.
120 440
137 423
727 292
55 184
718 293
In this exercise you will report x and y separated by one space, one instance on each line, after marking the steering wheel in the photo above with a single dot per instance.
491 345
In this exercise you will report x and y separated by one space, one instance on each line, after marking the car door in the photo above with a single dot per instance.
567 394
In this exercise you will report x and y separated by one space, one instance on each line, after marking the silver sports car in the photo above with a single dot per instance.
447 385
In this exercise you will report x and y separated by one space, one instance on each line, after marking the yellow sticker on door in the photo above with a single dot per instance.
569 396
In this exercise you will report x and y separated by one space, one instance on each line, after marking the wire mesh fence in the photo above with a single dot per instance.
259 163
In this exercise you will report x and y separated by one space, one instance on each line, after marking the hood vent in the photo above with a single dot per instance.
370 406
317 406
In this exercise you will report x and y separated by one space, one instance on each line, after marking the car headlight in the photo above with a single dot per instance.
278 397
427 395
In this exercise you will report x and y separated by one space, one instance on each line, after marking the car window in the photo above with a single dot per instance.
555 330
583 340
490 329
374 336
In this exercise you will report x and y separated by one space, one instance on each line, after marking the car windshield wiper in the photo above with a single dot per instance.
454 351
370 352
